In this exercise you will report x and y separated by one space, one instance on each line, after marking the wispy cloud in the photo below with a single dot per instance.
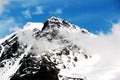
57 11
6 24
27 14
39 10
2 5
15 28
26 3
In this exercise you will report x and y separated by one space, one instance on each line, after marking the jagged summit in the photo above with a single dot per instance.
45 51
57 22
54 19
54 23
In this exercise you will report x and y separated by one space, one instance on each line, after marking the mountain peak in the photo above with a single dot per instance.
44 52
53 18
54 22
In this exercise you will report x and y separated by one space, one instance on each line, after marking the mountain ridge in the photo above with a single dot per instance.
50 48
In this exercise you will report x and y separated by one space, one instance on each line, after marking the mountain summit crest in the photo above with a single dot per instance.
44 51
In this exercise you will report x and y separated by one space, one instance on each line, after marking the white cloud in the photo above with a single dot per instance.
57 11
107 48
39 10
2 5
27 14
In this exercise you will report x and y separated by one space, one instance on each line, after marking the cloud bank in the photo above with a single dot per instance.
107 50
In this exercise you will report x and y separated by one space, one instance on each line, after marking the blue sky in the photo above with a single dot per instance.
94 15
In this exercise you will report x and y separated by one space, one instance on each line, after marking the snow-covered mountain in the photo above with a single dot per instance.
45 51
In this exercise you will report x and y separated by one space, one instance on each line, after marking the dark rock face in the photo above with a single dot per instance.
55 22
11 51
32 69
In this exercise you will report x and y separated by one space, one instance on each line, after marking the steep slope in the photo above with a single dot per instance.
48 51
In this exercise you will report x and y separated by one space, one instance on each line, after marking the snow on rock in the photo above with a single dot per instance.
32 25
